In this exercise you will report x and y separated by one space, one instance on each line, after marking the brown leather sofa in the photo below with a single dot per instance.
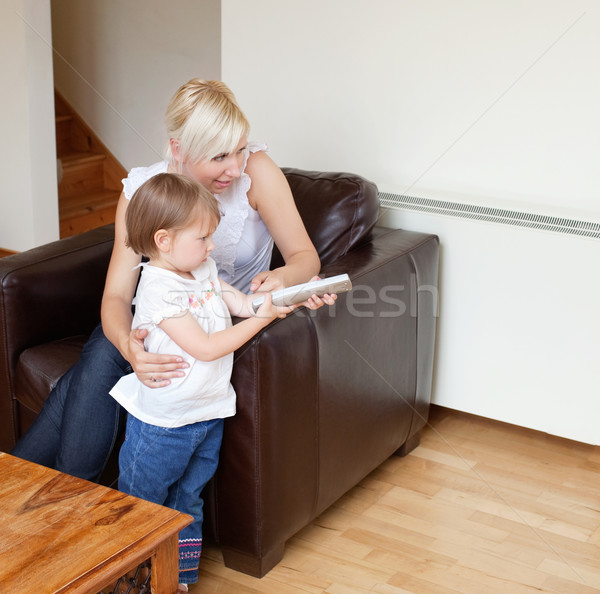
323 397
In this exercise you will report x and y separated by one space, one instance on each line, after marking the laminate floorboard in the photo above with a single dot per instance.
479 506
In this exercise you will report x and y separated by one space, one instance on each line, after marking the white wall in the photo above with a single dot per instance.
519 324
118 64
486 99
491 103
28 188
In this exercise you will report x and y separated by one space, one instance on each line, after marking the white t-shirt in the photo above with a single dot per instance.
243 244
205 392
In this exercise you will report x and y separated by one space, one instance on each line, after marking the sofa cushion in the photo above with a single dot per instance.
339 211
40 367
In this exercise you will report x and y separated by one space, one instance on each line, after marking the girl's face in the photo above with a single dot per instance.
190 246
218 173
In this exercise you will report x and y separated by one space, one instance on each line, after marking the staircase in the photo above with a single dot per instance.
89 175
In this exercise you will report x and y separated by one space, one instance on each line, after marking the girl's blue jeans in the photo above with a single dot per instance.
80 422
171 466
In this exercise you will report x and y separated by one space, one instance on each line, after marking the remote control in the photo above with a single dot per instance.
300 293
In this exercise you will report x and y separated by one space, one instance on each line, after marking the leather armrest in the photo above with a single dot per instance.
47 293
324 397
55 290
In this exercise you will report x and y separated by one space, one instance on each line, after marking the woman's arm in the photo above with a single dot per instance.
121 281
271 196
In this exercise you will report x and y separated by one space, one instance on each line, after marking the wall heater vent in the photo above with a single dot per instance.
494 215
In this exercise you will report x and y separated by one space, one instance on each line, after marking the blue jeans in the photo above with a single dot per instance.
79 424
171 466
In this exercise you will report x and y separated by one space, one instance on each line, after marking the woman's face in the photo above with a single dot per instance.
217 173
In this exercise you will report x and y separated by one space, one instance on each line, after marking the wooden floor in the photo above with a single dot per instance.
479 506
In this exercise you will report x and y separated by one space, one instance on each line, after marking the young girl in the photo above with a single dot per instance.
174 433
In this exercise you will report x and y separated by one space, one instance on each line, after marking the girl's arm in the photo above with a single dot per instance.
240 304
189 335
121 281
271 196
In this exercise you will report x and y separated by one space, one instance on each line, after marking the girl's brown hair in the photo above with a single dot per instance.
166 201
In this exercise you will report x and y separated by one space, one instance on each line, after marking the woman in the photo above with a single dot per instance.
207 141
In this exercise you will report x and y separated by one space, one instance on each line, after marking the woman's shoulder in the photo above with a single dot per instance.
255 151
258 159
138 175
255 147
261 168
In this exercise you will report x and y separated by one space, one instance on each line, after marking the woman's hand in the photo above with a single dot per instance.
268 280
315 302
152 369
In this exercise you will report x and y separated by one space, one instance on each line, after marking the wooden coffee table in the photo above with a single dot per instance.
59 533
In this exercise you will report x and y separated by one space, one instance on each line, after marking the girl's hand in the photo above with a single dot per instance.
152 369
268 311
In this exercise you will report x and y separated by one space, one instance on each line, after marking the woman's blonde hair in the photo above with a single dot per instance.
166 201
205 119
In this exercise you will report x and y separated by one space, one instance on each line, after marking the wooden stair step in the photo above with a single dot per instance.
82 172
75 158
90 186
72 206
88 211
